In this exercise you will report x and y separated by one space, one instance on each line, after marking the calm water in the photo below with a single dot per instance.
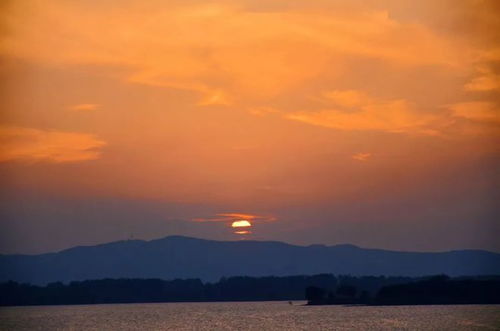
248 316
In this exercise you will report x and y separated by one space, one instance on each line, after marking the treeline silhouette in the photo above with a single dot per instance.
442 290
433 290
318 289
156 290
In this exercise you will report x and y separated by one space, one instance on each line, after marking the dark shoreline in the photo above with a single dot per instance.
437 290
316 290
254 301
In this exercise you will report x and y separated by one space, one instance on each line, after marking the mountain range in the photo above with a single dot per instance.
184 257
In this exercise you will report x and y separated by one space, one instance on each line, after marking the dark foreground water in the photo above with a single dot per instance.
249 316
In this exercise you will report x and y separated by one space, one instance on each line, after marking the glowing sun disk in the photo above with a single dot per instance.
241 224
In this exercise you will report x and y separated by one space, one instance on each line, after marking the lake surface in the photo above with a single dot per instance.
249 316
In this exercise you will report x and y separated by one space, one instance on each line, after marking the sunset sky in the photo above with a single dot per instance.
374 123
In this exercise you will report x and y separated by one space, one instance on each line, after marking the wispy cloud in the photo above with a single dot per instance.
231 217
264 111
356 111
481 111
362 156
348 98
85 107
217 97
34 145
486 80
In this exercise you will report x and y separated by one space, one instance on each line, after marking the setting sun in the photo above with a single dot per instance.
241 224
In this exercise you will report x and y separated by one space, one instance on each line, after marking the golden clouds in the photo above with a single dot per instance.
354 110
214 98
229 55
220 50
477 111
33 145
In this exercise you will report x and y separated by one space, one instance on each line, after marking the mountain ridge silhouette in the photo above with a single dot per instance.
175 257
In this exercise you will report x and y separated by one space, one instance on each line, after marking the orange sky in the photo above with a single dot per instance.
330 118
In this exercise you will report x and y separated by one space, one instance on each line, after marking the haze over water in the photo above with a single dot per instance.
249 316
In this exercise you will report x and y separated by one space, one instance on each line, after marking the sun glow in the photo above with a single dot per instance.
241 224
243 232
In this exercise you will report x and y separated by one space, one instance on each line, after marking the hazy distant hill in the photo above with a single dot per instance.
183 257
